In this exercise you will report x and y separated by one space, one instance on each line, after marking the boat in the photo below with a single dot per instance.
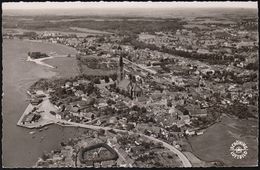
46 128
32 132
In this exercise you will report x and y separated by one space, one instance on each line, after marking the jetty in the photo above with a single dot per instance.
28 109
38 115
42 123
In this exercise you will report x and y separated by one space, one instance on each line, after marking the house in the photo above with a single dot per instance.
199 133
187 132
29 118
58 116
137 149
123 120
183 120
142 99
207 71
68 84
174 112
102 82
195 110
178 81
200 115
79 93
87 101
120 106
75 84
36 101
89 115
74 109
106 164
113 120
183 110
157 95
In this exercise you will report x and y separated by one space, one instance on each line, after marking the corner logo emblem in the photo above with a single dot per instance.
238 149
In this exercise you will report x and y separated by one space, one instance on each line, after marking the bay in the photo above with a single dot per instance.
19 148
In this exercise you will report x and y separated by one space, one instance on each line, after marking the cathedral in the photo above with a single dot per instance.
127 83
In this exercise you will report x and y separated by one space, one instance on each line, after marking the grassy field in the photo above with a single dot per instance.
215 143
97 72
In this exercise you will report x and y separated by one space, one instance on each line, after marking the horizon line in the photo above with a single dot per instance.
127 5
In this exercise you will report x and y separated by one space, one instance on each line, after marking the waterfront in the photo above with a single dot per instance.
18 75
176 91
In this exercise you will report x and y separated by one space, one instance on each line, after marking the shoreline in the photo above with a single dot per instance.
39 61
62 123
15 98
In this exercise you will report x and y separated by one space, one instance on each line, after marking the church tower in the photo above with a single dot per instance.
121 68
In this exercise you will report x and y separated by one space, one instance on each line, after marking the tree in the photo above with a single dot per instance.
133 79
106 79
130 77
114 77
96 80
110 102
101 132
169 103
135 108
143 109
121 63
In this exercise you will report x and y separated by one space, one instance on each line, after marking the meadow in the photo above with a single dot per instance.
215 143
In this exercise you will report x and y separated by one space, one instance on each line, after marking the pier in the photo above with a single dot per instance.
46 118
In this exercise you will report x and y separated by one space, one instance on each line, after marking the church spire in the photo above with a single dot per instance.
121 65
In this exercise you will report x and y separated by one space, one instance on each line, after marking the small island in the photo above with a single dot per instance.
37 55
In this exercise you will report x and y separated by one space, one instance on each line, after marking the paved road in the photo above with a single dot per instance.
183 158
185 161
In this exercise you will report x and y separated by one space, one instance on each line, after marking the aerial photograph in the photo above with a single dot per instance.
130 84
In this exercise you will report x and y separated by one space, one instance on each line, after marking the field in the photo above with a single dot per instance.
65 31
196 26
194 160
97 72
215 143
89 30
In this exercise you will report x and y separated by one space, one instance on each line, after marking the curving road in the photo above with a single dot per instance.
183 158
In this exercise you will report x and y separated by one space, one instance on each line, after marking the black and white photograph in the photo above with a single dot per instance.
130 84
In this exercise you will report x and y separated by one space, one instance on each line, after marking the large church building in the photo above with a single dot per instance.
127 83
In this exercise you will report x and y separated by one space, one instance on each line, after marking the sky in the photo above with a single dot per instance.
81 5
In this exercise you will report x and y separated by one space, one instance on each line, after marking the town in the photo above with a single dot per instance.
136 89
